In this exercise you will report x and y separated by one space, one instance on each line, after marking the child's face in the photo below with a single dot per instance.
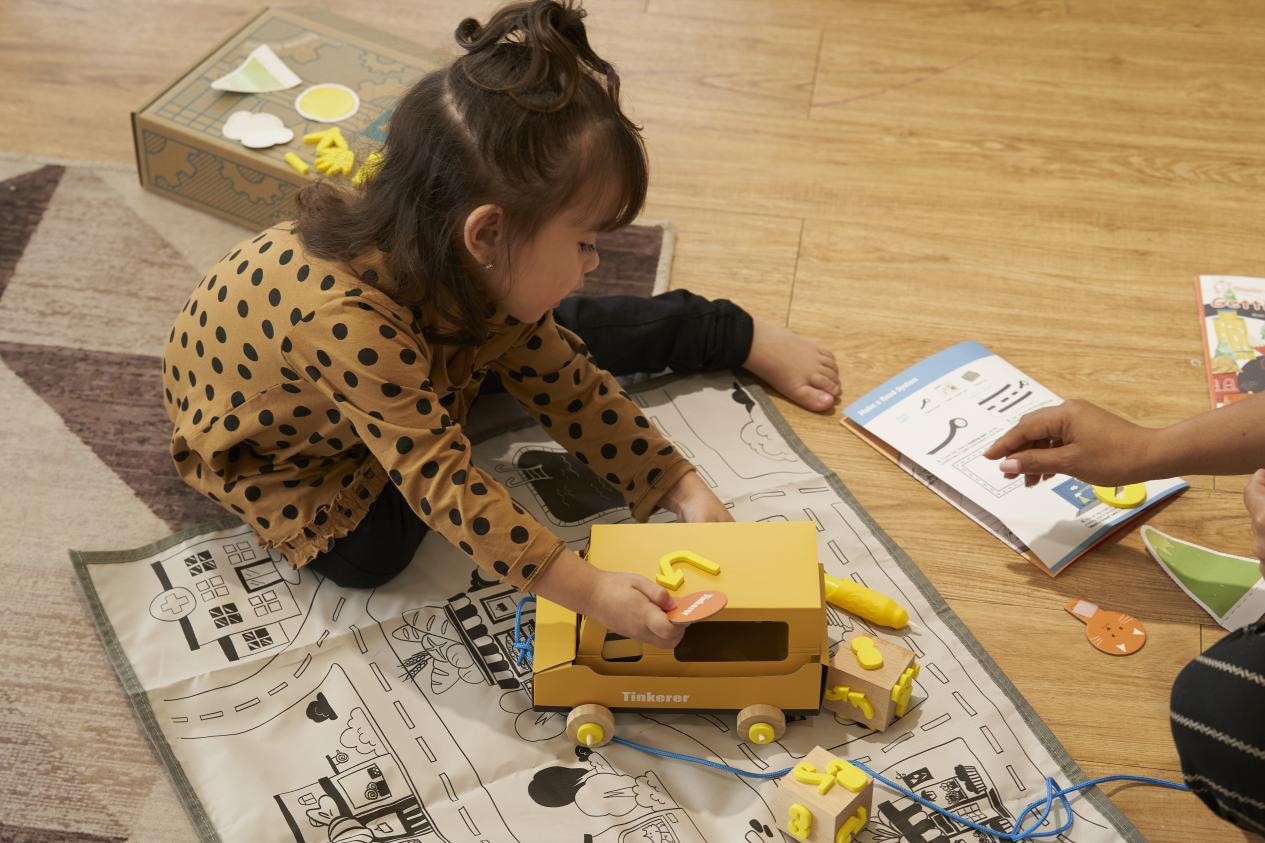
548 268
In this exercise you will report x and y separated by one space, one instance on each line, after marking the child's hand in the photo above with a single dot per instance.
1254 500
634 607
693 501
1076 438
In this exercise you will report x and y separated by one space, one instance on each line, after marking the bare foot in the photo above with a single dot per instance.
795 366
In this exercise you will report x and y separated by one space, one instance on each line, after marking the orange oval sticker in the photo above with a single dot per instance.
697 606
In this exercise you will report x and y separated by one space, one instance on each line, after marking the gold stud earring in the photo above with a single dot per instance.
488 266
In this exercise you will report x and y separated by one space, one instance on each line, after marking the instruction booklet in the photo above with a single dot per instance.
935 420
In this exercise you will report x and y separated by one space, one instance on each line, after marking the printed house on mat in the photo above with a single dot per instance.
234 598
764 653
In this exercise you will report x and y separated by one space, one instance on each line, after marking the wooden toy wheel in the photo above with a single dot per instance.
761 723
591 725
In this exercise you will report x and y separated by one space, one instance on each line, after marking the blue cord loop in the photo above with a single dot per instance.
1046 805
524 646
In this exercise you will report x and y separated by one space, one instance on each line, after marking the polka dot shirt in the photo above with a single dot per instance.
298 389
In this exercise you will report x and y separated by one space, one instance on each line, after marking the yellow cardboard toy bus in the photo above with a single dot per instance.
764 655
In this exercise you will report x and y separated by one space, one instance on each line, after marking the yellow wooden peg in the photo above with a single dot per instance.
296 163
799 822
868 655
670 578
865 602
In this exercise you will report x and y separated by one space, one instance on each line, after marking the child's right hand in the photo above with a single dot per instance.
634 607
1254 500
1076 438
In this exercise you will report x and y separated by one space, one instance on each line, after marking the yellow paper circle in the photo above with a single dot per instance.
327 102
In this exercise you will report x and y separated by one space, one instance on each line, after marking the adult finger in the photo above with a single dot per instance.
1037 426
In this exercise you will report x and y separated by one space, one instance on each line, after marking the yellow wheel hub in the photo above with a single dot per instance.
590 734
760 733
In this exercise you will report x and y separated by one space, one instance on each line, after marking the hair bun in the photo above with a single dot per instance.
535 52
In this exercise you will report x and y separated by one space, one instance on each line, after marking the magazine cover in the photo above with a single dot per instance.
1233 312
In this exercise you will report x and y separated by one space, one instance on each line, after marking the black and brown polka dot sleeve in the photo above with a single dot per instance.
586 411
376 370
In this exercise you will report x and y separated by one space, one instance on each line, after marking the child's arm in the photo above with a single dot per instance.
363 358
549 371
1254 500
1091 444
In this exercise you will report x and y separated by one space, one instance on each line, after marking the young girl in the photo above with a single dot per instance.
318 377
1218 699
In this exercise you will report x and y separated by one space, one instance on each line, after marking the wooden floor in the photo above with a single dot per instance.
1044 176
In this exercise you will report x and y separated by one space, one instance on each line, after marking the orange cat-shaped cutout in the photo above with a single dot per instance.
1115 633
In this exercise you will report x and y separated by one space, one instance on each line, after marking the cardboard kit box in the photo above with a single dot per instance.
181 153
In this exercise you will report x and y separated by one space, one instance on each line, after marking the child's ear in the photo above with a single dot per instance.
484 233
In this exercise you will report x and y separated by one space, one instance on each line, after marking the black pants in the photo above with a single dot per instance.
626 335
1218 719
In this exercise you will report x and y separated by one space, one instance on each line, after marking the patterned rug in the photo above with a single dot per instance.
92 271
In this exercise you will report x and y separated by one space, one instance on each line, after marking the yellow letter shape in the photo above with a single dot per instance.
866 652
856 699
848 776
800 822
904 688
855 823
670 578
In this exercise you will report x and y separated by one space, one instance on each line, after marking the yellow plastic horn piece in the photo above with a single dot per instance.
590 734
760 733
672 579
849 829
867 653
1122 497
799 821
296 163
904 689
865 603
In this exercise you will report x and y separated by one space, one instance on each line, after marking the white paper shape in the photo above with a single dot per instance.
261 72
256 130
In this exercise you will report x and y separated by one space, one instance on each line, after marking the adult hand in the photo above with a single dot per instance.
1075 438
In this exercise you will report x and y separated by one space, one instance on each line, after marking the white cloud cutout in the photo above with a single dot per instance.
256 130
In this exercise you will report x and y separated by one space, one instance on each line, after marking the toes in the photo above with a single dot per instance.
824 382
828 358
813 399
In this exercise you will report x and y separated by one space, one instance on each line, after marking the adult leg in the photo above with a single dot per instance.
378 548
1217 721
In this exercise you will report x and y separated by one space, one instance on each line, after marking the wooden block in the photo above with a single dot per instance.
874 695
808 814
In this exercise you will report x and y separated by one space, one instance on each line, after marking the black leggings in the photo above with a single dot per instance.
1218 719
626 335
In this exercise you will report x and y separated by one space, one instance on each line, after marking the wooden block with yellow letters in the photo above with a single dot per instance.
823 799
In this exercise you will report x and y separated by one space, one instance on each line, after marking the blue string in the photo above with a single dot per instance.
1046 805
524 646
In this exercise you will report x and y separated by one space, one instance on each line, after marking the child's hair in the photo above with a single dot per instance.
527 120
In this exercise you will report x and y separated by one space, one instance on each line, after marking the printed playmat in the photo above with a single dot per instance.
288 710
